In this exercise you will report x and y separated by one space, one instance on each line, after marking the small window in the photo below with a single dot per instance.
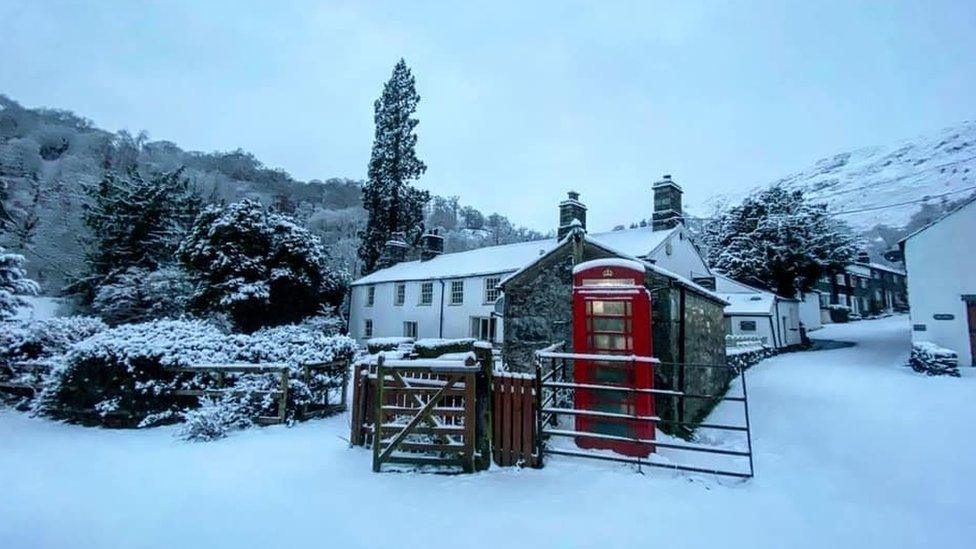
426 293
491 289
400 293
410 329
457 292
368 328
483 328
370 295
747 325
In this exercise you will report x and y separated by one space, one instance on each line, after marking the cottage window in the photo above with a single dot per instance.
457 292
841 280
400 293
483 328
410 329
824 301
491 289
426 293
368 328
747 325
370 295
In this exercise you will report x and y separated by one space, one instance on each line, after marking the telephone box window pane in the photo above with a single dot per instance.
609 308
615 325
605 342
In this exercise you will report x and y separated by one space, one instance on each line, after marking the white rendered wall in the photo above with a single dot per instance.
763 329
810 311
684 259
941 265
388 318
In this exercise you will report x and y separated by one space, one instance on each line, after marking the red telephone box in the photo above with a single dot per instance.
612 316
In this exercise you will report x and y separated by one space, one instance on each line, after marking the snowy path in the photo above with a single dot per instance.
852 450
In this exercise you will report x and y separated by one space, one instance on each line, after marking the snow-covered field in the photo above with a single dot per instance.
852 450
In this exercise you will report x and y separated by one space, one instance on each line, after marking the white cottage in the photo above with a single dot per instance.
454 295
755 312
941 265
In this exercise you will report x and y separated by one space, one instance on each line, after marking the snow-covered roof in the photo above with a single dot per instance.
609 262
749 303
880 267
508 258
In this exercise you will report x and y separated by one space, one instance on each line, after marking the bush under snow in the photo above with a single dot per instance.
124 376
929 358
40 339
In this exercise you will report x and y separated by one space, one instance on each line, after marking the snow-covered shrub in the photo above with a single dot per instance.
124 376
39 339
14 284
433 348
120 376
140 295
259 267
380 344
929 358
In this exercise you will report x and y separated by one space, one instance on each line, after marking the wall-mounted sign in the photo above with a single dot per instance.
919 327
943 316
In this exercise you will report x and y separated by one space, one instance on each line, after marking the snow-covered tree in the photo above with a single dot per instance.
14 284
258 267
777 240
391 203
140 295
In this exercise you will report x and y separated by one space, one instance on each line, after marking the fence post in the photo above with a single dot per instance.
283 403
538 414
378 414
483 420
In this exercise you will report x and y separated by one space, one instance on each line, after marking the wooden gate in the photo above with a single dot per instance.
513 420
424 413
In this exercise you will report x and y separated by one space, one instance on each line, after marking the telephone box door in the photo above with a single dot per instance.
612 316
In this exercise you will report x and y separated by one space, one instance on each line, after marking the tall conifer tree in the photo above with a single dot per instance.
391 203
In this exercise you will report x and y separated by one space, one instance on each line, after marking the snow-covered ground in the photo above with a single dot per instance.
852 450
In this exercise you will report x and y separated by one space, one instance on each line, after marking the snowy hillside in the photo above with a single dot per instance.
939 166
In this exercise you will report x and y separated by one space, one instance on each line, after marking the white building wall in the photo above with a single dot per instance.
941 267
810 311
764 329
788 325
683 260
388 318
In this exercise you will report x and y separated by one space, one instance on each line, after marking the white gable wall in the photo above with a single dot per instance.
941 265
683 258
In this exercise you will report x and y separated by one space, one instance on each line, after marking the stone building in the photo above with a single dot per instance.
865 288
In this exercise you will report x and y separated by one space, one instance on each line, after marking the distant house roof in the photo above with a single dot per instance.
880 267
749 303
968 202
508 258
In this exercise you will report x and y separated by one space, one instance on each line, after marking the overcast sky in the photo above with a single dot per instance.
519 103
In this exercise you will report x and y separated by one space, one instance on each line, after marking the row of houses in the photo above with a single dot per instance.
864 289
517 295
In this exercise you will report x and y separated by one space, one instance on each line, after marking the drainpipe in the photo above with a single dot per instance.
440 329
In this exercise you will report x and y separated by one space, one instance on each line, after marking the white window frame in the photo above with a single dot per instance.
424 293
399 293
492 293
489 322
368 328
457 291
410 326
370 295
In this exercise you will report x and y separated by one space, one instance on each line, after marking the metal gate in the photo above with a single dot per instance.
555 399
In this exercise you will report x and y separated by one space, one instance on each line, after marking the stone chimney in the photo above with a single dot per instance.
431 245
569 210
863 257
667 205
394 251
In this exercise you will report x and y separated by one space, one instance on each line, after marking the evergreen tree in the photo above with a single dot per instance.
390 202
778 241
137 221
14 284
258 267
